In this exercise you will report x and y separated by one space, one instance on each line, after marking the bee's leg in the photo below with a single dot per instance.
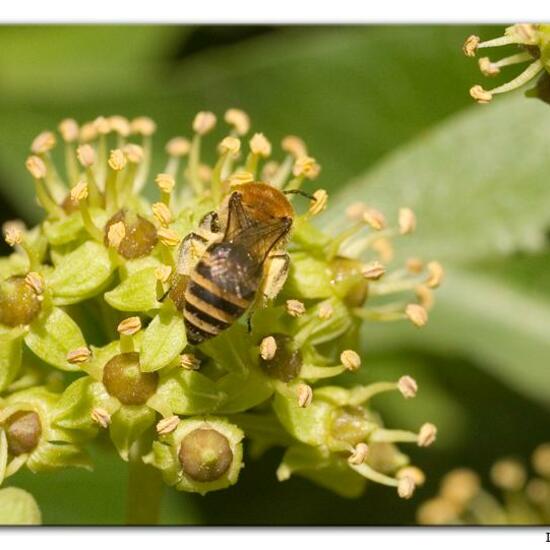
275 273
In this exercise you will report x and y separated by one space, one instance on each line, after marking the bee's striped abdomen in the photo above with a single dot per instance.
220 289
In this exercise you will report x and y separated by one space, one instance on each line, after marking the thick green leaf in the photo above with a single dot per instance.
17 507
485 319
10 355
53 336
136 293
478 183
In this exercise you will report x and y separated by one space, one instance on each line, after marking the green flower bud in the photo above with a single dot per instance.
140 234
124 380
19 302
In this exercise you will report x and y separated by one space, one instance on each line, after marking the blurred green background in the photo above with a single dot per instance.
386 111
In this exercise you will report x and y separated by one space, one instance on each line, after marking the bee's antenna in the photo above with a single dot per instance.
300 192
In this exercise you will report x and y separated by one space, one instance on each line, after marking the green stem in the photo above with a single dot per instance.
144 487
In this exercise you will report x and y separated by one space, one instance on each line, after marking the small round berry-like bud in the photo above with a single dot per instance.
268 348
140 235
133 153
123 379
68 128
459 486
102 125
35 165
437 511
435 274
23 431
129 326
319 202
541 460
470 45
359 454
239 120
204 122
373 270
178 147
406 487
101 416
167 425
168 237
260 145
165 183
509 475
279 357
86 155
488 68
189 361
162 213
416 474
350 360
36 282
407 386
480 95
294 146
374 218
78 356
120 125
117 160
295 308
116 234
538 491
43 143
79 192
231 145
407 221
326 311
416 314
306 167
304 394
205 455
19 303
426 435
13 232
88 132
143 125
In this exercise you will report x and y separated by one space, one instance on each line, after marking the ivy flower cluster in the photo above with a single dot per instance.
523 500
92 339
533 42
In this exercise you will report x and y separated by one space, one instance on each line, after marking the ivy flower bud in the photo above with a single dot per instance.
19 302
541 460
260 145
178 147
304 394
460 486
407 221
426 435
35 165
239 120
204 122
351 360
295 308
436 511
43 143
68 128
23 431
416 314
407 386
86 155
509 475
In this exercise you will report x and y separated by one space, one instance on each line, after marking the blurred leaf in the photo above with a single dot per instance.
488 320
81 60
353 93
478 183
17 507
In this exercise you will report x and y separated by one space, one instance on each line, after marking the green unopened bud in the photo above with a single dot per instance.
19 302
140 236
286 362
23 431
124 380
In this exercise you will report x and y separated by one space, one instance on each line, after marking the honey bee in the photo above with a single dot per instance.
239 259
